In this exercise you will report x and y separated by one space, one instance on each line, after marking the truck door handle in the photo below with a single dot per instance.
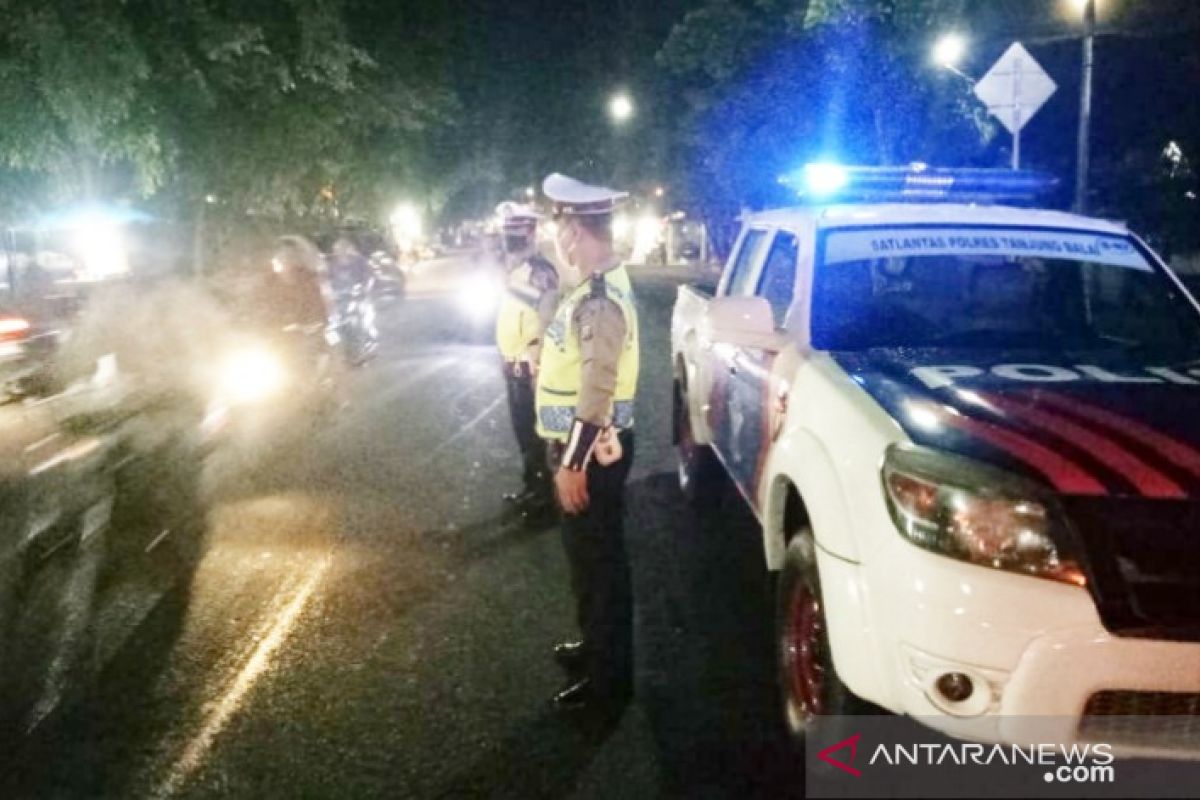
733 369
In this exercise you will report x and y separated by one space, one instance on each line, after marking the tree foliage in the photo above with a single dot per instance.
772 84
258 105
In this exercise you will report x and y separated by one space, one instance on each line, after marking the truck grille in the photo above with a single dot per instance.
1143 562
1169 720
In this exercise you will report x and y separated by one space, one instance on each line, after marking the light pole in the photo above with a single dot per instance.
1083 148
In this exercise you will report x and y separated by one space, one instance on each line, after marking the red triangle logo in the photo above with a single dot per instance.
851 743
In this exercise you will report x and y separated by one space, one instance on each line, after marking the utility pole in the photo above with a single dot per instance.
1083 155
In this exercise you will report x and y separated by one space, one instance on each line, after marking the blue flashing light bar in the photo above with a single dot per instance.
918 183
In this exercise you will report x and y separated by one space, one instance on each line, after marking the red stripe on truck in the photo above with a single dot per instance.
1063 473
1148 480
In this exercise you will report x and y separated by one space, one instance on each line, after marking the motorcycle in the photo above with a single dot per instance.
389 280
355 324
268 381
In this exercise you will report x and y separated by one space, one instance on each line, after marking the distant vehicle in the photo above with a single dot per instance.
100 476
689 250
428 251
971 433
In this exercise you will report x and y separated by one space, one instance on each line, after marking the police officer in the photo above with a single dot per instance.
585 392
530 297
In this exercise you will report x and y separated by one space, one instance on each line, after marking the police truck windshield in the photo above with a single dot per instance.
996 288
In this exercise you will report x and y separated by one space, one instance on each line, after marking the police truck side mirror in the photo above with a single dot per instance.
741 321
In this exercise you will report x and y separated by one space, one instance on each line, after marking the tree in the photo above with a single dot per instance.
773 84
219 105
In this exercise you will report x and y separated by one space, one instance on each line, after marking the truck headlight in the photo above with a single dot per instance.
251 376
976 513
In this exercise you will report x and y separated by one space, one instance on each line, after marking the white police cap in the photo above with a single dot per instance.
516 217
576 198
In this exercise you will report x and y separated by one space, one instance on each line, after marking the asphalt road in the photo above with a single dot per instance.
367 622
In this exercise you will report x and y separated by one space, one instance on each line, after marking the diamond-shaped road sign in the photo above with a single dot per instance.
1015 88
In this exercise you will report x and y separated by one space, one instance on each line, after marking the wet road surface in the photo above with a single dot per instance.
367 622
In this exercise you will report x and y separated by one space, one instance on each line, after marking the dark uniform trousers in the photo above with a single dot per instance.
519 383
595 545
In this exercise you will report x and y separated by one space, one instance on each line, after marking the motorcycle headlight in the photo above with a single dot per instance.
479 298
976 513
251 376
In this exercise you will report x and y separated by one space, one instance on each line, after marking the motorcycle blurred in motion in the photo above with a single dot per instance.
352 280
282 360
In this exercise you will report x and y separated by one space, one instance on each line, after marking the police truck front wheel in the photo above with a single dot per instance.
809 688
697 463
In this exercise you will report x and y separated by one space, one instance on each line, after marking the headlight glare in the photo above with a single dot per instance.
479 297
251 376
975 513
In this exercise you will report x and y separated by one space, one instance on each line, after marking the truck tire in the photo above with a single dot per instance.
698 465
809 687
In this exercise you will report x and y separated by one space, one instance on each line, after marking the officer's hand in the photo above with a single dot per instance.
572 490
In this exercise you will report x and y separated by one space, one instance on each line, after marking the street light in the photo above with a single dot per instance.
948 53
1083 147
949 50
406 224
620 107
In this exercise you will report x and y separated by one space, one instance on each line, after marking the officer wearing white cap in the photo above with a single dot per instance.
530 297
586 385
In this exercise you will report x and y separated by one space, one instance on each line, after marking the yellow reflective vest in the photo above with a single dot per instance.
561 368
518 325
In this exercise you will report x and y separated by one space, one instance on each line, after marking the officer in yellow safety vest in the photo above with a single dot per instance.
530 297
586 385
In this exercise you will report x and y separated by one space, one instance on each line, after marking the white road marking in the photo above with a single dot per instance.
158 540
243 682
465 429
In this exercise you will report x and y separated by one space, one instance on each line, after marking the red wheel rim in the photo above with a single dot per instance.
803 648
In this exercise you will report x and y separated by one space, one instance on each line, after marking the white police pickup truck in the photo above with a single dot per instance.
971 434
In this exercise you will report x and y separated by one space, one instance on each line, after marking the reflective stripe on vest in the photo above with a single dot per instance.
561 370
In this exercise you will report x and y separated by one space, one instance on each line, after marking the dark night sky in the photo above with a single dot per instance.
533 77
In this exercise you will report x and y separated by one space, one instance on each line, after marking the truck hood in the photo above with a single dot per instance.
1088 426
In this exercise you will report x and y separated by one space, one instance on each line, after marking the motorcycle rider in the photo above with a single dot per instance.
296 300
297 292
527 306
351 279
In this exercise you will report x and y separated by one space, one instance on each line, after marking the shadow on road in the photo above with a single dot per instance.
102 737
705 650
542 757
